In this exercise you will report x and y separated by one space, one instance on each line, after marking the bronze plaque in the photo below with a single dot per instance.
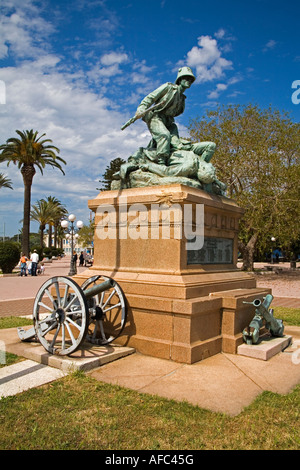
214 251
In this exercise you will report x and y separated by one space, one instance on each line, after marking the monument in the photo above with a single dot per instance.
168 235
168 158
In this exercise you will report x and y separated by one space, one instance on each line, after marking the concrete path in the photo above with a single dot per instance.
25 375
223 383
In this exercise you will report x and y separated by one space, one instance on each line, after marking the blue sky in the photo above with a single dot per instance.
78 70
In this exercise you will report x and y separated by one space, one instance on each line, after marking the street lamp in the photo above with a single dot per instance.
65 224
273 239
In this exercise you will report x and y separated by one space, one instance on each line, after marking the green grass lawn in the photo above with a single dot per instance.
79 412
10 359
290 316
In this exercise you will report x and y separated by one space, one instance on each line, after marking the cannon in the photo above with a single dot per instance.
66 314
263 315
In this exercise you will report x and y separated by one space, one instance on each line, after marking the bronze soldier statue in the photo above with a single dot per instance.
167 154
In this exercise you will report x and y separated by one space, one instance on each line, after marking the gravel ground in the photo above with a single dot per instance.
282 285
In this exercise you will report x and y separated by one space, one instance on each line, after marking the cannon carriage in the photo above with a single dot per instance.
263 317
66 314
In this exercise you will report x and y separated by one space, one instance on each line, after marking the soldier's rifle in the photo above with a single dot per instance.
141 115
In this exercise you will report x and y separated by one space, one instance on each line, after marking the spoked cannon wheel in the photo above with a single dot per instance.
60 315
107 311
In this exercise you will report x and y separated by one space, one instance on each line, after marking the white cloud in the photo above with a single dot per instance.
46 93
142 67
22 30
99 73
80 122
207 60
220 87
220 33
139 78
113 58
108 66
270 45
73 117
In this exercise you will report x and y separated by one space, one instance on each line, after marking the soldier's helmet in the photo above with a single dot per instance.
184 72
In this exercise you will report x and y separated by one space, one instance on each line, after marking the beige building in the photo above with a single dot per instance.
78 247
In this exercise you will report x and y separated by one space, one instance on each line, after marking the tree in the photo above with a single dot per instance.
41 212
112 168
47 211
5 182
86 234
58 211
258 156
60 234
27 152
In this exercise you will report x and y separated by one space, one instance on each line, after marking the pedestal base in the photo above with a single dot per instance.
178 308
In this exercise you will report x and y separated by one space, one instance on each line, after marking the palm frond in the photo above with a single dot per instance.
5 182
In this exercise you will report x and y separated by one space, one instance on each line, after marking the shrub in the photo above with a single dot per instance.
47 252
39 250
9 256
60 251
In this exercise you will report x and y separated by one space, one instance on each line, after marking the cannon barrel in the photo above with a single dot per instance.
98 288
256 303
263 312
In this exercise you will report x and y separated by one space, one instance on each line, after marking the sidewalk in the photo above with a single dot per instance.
17 293
285 284
15 286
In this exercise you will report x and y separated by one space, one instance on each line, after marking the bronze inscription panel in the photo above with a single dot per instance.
214 251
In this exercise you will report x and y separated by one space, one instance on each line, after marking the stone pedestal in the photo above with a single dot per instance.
183 304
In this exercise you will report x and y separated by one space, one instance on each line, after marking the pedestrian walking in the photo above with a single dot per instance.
29 265
74 260
34 259
23 262
42 268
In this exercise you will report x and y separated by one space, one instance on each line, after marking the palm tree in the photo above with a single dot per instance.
27 152
47 211
5 182
60 235
60 215
41 212
58 211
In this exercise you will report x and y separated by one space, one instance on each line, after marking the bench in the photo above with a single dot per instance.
273 268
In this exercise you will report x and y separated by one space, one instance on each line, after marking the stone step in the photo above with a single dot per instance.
87 357
266 348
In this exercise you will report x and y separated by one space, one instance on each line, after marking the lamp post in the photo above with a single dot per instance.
65 224
273 240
